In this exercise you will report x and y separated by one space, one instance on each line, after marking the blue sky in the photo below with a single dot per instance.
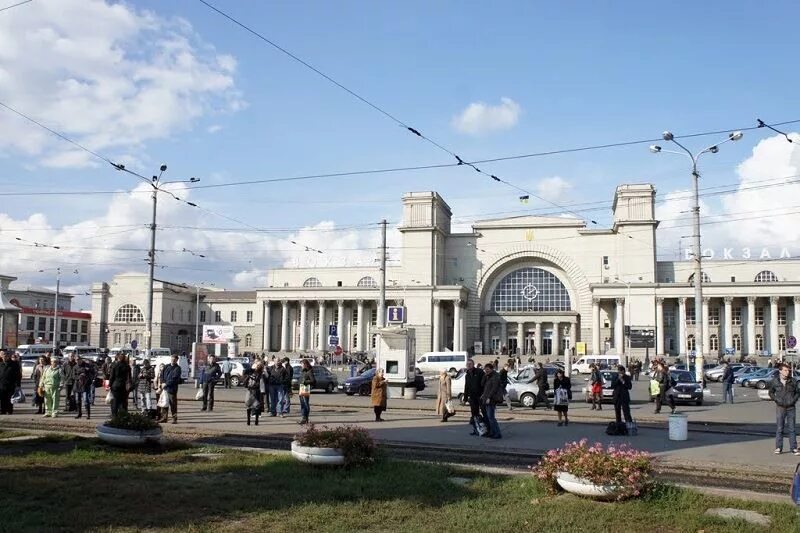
580 74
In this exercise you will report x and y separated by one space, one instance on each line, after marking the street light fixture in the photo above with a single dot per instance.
697 252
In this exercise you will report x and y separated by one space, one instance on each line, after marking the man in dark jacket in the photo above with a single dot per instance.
288 374
492 395
727 383
10 375
540 377
120 384
171 378
275 389
68 380
784 392
622 395
211 374
474 382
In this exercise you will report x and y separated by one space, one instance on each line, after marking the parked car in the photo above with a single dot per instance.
763 381
715 374
582 365
745 382
686 388
326 380
745 373
362 383
27 367
238 371
523 392
609 378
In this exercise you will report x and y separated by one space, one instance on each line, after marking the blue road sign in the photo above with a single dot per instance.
135 343
397 314
333 340
332 330
729 351
791 342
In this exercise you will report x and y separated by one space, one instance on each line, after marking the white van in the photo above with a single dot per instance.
29 351
436 361
166 360
602 361
157 352
80 351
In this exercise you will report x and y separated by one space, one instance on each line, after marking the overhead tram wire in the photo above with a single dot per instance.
15 5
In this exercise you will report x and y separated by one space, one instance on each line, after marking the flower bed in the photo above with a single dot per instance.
354 444
615 472
129 429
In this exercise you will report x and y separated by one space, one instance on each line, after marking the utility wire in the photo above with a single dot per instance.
15 5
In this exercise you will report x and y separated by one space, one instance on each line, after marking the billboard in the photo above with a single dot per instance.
216 334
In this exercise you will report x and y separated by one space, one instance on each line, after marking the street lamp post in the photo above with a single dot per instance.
697 250
627 319
197 311
55 310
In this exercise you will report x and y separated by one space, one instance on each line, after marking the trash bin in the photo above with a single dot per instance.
678 427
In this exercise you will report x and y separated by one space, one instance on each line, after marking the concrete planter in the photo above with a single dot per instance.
127 437
586 488
317 456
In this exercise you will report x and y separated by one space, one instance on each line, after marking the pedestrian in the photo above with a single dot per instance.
496 362
474 382
785 392
8 383
170 379
84 376
51 388
491 397
276 390
68 380
254 385
135 371
378 395
444 395
540 376
36 376
637 369
211 375
145 386
120 384
562 386
622 396
727 382
288 374
664 380
227 367
596 384
158 386
504 383
306 382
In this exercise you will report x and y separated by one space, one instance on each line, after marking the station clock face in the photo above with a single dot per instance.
530 292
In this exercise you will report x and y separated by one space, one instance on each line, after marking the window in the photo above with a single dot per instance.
374 320
83 338
129 313
669 318
605 260
737 343
248 340
736 316
367 281
202 316
312 282
233 316
759 316
117 338
690 316
713 316
713 343
249 316
31 323
766 276
64 325
690 344
782 316
42 323
782 342
530 289
759 343
217 316
355 319
73 338
73 326
84 327
703 276
336 317
733 279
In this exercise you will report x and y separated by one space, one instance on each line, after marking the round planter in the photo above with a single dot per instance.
317 456
127 437
586 488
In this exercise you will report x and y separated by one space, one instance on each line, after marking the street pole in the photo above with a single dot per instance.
152 272
382 298
628 320
197 317
55 311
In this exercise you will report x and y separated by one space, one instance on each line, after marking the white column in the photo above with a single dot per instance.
323 331
437 326
520 338
596 348
360 329
267 325
487 337
340 326
573 340
303 325
619 327
284 326
796 324
503 335
773 325
705 329
556 341
457 326
463 329
682 326
659 326
728 301
537 341
751 325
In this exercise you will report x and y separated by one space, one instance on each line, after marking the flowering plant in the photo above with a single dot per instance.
355 442
620 466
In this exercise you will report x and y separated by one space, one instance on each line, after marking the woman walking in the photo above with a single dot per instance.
445 394
307 382
562 387
38 398
51 386
378 394
254 383
596 382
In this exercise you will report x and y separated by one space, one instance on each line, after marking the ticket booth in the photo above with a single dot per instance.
396 348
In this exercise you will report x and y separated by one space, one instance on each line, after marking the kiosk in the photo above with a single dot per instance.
396 349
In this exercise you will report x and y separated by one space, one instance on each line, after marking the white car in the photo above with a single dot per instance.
27 368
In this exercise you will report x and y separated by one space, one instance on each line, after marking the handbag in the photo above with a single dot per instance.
18 396
561 396
199 395
305 390
655 388
163 400
109 397
450 407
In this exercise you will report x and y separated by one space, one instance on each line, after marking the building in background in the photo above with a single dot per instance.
36 315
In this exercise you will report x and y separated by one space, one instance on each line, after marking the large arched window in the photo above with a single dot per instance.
312 282
766 276
129 313
367 281
530 289
703 276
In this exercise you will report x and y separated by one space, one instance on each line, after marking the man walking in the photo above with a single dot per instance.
492 395
785 393
727 383
227 367
120 384
504 383
275 389
288 374
211 374
171 378
474 382
540 376
8 383
84 376
145 386
68 380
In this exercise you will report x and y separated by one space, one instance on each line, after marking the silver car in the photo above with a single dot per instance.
523 392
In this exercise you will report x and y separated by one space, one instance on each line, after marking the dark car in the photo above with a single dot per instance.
362 384
686 388
609 379
325 379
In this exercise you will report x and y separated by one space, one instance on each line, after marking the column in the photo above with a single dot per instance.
503 336
537 333
437 326
682 326
520 338
619 327
556 340
660 327
573 341
303 325
751 325
323 331
596 348
463 329
728 301
705 331
284 326
796 323
457 325
487 337
267 325
360 329
340 325
773 325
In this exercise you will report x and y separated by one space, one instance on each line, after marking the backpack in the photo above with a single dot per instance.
615 429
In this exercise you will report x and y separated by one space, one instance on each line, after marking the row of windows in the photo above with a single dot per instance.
713 343
65 324
714 316
765 276
366 281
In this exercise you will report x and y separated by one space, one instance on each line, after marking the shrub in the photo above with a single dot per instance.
133 421
356 443
621 466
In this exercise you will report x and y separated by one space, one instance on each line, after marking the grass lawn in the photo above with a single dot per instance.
91 487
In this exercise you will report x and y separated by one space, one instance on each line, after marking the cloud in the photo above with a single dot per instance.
106 74
554 188
214 128
480 118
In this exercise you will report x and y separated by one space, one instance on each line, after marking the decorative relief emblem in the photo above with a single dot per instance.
529 235
530 292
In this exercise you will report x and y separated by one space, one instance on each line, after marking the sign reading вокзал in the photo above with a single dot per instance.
216 334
